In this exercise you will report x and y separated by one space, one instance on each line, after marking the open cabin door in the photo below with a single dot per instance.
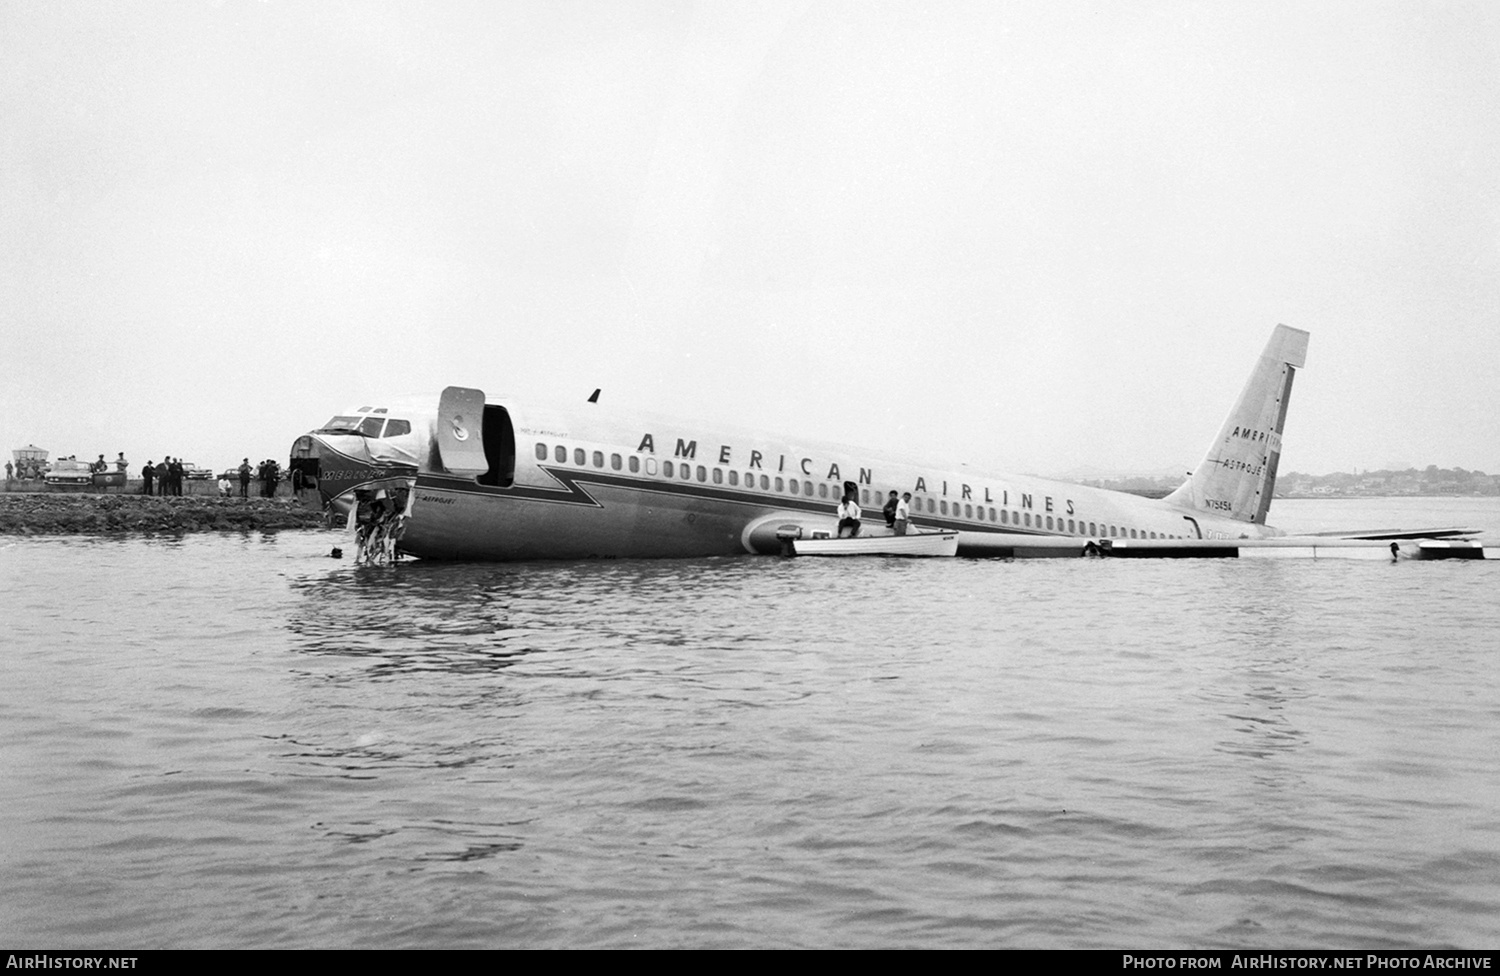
460 432
499 448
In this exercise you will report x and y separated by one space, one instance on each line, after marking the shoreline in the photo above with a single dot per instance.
79 513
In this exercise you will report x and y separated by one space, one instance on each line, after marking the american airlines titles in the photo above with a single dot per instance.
760 461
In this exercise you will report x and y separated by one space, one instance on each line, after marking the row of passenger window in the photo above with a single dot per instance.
794 486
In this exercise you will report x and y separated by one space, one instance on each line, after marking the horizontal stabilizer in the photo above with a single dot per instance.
1390 534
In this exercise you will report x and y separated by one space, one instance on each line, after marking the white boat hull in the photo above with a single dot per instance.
919 544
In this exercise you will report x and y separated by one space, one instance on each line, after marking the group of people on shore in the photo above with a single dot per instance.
897 512
167 476
25 469
101 466
268 473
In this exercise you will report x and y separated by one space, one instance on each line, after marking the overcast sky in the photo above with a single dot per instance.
1033 236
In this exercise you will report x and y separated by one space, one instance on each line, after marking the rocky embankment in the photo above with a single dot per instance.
55 513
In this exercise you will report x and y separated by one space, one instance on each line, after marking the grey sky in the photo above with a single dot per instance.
1029 236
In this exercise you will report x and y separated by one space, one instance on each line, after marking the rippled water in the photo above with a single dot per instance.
236 741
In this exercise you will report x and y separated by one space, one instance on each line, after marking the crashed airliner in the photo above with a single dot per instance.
463 476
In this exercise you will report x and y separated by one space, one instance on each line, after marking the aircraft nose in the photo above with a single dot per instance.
344 463
337 468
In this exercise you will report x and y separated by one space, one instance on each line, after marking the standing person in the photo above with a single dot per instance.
174 472
903 513
245 478
8 472
148 474
849 514
161 474
889 511
121 464
98 467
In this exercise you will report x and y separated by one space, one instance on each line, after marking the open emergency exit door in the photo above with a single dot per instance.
460 432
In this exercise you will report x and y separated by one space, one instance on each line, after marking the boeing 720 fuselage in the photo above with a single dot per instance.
462 476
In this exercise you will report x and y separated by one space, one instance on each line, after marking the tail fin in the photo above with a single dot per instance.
1238 476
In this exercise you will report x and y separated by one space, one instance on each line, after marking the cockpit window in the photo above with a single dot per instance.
341 425
366 426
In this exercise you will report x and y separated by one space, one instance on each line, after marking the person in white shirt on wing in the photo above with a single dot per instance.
849 515
903 514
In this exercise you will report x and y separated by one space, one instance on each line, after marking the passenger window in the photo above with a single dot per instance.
968 511
541 451
1004 516
614 461
702 473
667 469
598 459
765 483
807 488
635 464
734 477
561 454
650 465
687 471
578 456
718 476
823 491
779 485
943 507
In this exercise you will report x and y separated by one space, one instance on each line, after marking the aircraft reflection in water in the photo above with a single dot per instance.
458 476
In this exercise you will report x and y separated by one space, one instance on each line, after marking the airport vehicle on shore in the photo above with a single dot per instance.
69 473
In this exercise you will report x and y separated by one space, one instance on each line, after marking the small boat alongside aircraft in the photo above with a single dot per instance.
920 544
464 476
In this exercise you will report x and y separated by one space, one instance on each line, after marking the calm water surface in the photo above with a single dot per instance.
226 741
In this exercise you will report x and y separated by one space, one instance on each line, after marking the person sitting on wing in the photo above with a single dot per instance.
849 515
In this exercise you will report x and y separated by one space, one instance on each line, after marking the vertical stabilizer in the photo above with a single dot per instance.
1237 477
